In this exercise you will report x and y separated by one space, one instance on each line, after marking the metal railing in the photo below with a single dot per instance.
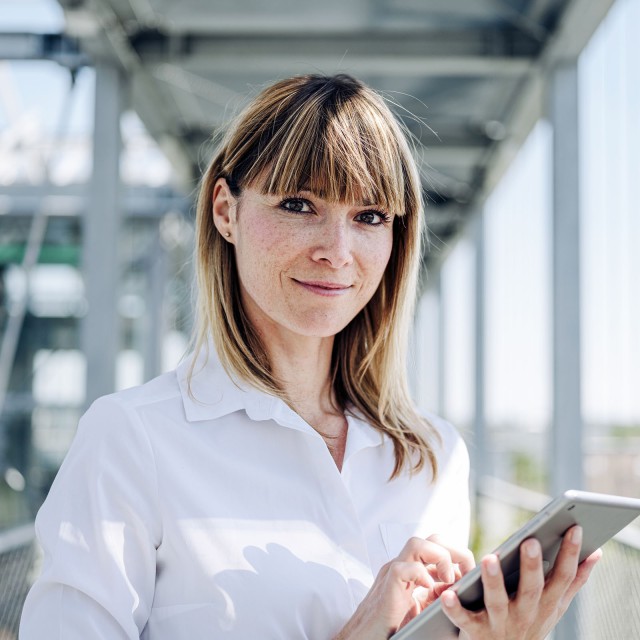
17 559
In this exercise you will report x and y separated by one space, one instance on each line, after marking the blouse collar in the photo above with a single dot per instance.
211 393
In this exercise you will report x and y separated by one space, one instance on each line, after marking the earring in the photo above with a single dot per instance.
227 234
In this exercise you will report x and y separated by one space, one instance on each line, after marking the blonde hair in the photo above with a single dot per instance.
337 138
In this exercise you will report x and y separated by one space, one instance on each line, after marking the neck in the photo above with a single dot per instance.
304 371
303 368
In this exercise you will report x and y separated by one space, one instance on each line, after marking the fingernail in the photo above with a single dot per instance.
448 599
532 548
450 577
492 566
576 535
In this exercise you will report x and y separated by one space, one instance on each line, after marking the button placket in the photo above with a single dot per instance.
343 521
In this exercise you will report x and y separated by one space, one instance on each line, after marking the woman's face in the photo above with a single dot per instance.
306 265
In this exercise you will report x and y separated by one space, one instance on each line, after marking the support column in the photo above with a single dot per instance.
479 468
427 347
566 435
442 347
101 225
155 313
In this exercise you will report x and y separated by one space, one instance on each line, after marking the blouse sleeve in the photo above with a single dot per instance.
99 529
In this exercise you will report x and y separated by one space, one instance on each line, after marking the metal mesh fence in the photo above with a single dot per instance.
16 567
608 607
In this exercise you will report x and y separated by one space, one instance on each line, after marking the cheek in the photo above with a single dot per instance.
379 260
261 253
387 254
256 239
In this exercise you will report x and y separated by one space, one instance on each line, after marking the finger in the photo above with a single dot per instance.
424 597
461 617
427 552
584 571
433 572
439 588
409 574
496 600
565 568
531 581
461 556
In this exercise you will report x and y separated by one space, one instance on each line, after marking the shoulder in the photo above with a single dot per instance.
161 394
450 447
159 390
130 418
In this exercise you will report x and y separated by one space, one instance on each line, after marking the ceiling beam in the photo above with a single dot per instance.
423 55
43 46
397 65
521 20
537 10
72 201
450 156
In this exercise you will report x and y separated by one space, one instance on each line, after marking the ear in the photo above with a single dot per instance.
224 210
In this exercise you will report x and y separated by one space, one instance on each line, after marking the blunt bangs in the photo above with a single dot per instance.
335 139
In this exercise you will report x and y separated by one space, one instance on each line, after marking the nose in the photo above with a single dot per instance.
334 244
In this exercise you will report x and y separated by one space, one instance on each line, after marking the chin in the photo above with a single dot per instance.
320 329
313 332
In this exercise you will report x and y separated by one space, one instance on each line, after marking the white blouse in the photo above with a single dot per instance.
216 512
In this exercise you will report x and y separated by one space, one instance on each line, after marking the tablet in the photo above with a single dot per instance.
601 517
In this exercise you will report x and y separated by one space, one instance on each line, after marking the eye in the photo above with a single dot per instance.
297 205
373 217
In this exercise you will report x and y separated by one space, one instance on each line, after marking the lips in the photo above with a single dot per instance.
322 287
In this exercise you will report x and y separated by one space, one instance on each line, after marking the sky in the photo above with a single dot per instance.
518 219
33 16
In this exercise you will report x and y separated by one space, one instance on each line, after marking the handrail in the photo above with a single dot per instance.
516 496
512 494
17 537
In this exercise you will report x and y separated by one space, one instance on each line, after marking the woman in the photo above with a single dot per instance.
280 484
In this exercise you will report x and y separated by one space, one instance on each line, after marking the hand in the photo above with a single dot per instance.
537 605
405 586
